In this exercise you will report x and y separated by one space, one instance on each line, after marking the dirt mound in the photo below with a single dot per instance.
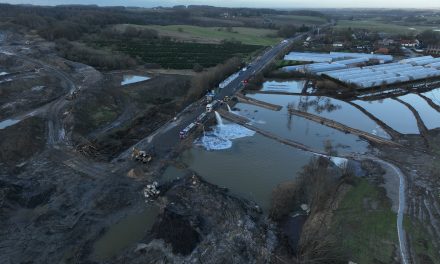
201 223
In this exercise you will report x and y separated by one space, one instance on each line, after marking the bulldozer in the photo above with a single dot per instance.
141 155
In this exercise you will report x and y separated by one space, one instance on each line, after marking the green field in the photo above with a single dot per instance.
300 20
365 226
179 55
421 240
379 26
250 36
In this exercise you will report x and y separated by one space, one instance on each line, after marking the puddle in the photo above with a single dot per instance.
37 88
284 86
129 79
3 73
8 122
125 233
171 173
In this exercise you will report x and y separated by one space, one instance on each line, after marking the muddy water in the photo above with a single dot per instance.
251 168
129 79
125 233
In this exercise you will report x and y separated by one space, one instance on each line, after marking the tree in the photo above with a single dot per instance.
197 68
430 37
287 31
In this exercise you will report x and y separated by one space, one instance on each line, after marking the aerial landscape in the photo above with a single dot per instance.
208 132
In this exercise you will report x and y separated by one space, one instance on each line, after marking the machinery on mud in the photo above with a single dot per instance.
151 191
141 155
72 95
226 99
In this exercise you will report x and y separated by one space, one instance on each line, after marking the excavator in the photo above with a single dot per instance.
141 155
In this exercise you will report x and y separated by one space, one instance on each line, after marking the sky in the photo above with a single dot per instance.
247 3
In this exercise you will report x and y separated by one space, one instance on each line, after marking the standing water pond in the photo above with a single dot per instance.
129 79
125 233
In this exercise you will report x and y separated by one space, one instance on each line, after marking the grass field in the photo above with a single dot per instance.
379 26
299 20
365 226
249 36
421 241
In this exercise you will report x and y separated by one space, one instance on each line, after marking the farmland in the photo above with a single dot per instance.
180 55
188 33
379 26
298 20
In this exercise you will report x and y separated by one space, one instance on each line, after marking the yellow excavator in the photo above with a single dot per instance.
141 155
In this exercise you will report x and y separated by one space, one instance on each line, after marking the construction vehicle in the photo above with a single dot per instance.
141 155
226 99
211 106
201 118
72 95
185 132
210 96
151 191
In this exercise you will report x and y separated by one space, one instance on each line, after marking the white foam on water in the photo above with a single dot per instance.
221 137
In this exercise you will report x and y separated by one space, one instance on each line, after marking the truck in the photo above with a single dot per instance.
211 106
185 132
201 118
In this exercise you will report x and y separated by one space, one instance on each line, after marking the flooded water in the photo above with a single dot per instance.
8 122
125 233
434 95
250 165
430 117
330 108
284 86
222 135
171 173
251 168
301 130
393 113
129 79
3 73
